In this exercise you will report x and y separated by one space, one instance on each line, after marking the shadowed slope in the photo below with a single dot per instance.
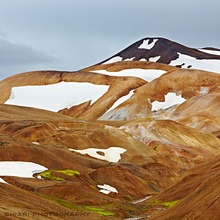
197 192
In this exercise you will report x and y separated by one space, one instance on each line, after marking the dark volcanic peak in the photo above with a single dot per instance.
164 51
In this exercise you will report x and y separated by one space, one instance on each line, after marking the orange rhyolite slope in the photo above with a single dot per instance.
147 147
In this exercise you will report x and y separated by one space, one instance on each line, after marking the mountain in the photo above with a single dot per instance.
133 137
166 51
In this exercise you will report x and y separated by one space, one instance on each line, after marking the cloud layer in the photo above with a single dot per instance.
71 34
17 57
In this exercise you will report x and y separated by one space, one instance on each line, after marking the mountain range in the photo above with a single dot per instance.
135 136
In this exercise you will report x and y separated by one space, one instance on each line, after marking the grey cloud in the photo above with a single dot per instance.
16 57
2 34
20 54
85 32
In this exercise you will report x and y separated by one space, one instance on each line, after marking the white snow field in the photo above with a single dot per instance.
106 189
154 59
214 52
145 44
121 100
113 60
208 65
129 59
57 96
170 100
2 181
19 169
112 154
146 74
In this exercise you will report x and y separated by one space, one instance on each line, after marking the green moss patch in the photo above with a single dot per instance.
166 204
100 211
48 175
62 202
68 172
74 207
170 204
51 174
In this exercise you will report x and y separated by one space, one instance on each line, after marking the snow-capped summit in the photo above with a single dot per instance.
169 52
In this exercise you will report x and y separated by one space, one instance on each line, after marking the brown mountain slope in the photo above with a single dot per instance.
30 205
133 162
117 66
175 140
197 193
119 86
187 83
45 138
30 137
202 112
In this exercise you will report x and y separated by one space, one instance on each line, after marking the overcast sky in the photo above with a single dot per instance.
74 34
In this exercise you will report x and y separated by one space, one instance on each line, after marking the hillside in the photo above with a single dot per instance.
162 50
133 137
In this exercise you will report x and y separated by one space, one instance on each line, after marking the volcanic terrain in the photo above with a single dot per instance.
133 137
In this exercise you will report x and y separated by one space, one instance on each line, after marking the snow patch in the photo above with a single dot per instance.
186 61
36 143
135 218
146 74
129 59
214 52
143 59
121 100
57 96
112 154
170 100
154 59
20 168
113 60
142 200
2 181
146 45
106 189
